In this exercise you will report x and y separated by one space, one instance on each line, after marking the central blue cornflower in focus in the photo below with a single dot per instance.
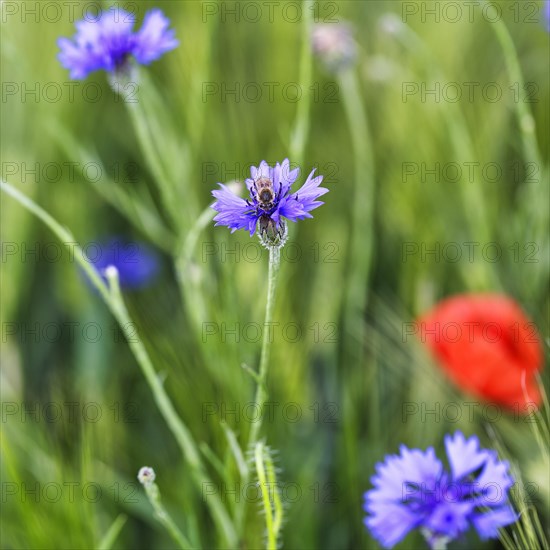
413 491
269 200
108 43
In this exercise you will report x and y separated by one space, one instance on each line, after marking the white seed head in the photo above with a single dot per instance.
146 475
111 272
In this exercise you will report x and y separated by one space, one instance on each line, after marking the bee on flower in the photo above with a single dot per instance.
270 201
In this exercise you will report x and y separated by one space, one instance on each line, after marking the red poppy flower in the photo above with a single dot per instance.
487 346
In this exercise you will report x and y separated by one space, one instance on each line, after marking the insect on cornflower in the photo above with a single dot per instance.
413 491
109 43
268 205
270 202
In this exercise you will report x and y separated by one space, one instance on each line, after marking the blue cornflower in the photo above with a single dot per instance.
137 263
414 491
109 42
270 200
547 14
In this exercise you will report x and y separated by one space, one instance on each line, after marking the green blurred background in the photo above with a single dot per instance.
348 375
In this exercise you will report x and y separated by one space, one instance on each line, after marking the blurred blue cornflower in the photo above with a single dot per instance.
137 263
413 491
547 14
270 200
108 42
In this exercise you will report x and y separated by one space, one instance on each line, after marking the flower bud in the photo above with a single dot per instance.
334 45
146 476
271 235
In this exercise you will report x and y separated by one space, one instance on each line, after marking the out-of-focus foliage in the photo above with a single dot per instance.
78 420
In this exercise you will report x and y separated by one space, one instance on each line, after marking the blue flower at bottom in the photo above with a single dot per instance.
137 264
412 490
109 42
270 199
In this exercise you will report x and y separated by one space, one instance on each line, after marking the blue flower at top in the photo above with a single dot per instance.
137 263
270 199
109 42
414 491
